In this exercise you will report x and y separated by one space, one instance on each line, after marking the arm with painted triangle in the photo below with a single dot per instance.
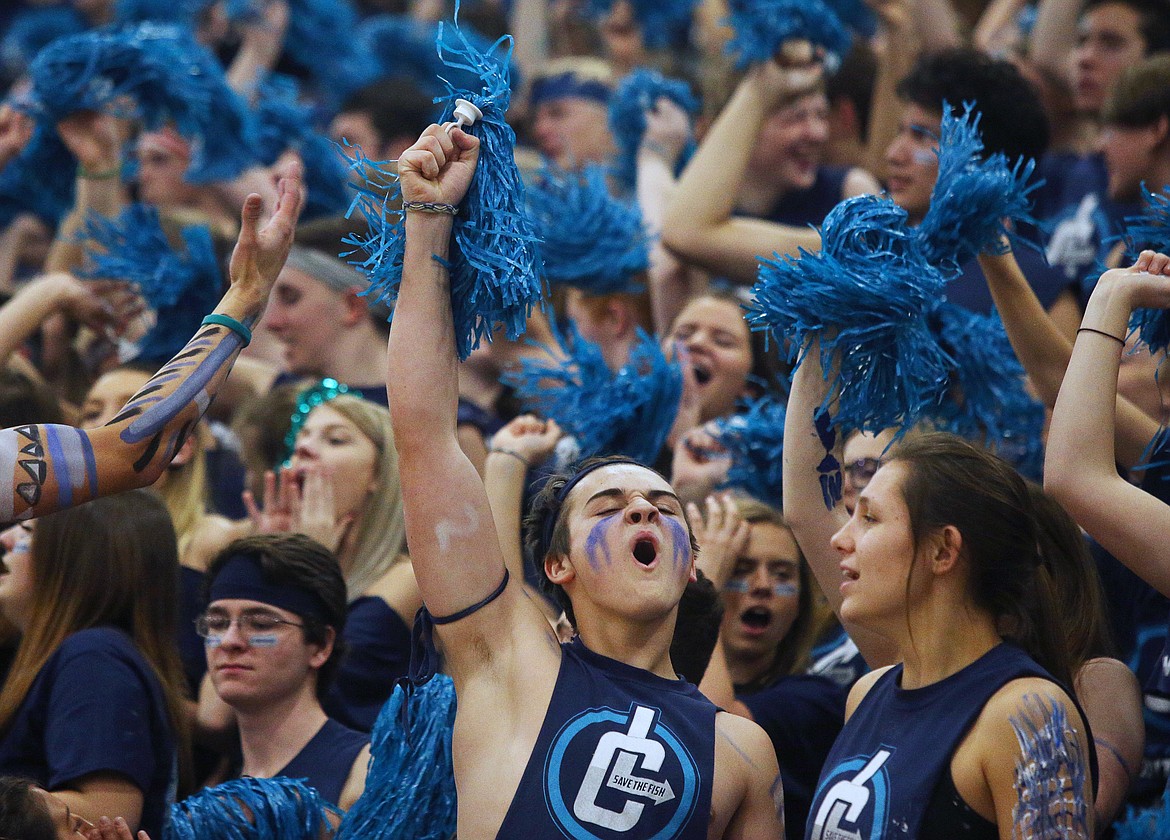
52 467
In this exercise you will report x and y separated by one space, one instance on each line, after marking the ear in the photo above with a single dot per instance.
945 548
559 569
323 651
1161 130
354 307
618 318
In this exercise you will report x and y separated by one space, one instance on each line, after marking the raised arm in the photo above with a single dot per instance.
52 467
1079 468
1044 351
699 225
812 523
449 527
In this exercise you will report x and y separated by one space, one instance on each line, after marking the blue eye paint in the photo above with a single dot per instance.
743 586
265 640
1050 772
213 641
595 543
682 541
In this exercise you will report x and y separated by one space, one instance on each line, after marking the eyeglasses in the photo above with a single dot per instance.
259 628
861 471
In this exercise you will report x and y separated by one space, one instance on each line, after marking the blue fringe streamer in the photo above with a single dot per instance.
755 440
761 26
972 196
31 30
179 287
1145 823
867 295
493 260
410 786
660 19
282 123
166 74
591 240
40 180
625 413
252 809
986 401
1150 229
636 94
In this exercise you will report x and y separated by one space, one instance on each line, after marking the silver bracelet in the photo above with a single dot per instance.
429 207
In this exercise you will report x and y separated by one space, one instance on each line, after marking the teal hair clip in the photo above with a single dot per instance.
324 391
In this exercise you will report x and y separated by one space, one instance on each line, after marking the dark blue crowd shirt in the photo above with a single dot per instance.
327 760
96 706
622 753
377 642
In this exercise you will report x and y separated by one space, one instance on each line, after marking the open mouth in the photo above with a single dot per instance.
645 552
702 375
756 618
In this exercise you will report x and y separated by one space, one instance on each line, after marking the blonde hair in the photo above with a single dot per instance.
380 539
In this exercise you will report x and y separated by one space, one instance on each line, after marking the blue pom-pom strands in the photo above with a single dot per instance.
40 180
155 73
591 240
866 295
410 786
1050 772
659 19
493 257
636 94
973 196
1150 229
762 26
252 809
178 285
1146 823
629 412
755 440
986 398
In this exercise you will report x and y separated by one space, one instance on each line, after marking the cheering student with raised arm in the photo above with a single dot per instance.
51 467
597 738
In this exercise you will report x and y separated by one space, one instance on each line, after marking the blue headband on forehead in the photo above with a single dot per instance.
550 522
242 577
565 85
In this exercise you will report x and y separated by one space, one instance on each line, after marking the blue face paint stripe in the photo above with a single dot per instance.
263 640
9 446
596 540
61 466
682 542
191 390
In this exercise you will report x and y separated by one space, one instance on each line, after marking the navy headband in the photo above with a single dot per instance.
242 577
550 521
567 85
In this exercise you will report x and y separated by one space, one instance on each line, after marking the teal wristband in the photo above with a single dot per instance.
232 324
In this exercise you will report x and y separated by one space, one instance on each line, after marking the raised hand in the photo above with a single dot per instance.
94 138
722 536
16 129
668 128
260 252
528 438
700 463
439 167
114 829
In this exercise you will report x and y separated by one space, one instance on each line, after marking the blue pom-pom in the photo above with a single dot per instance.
40 180
165 74
755 440
1145 823
866 295
636 94
282 123
972 196
592 240
629 412
1149 230
493 258
182 12
180 286
660 19
410 786
762 26
31 30
986 401
252 809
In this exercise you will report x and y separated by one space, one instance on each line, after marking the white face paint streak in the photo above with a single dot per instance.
449 529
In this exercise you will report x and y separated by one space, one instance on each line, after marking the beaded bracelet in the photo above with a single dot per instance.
429 207
232 324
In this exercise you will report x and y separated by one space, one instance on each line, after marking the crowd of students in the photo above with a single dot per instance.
250 506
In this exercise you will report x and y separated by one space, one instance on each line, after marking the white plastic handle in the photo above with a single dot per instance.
466 113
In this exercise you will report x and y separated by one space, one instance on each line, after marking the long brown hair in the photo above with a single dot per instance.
952 482
110 563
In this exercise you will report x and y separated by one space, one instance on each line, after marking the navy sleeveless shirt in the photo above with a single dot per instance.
326 761
888 760
622 753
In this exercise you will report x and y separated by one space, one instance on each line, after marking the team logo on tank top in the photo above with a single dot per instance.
612 774
853 800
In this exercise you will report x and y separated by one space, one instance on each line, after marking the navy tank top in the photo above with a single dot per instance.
326 761
889 759
622 753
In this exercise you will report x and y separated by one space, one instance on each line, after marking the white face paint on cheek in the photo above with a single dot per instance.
924 157
448 529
